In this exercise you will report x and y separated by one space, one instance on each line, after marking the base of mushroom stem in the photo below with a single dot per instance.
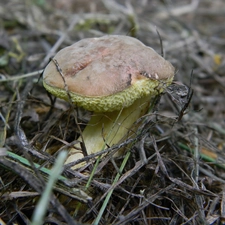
107 129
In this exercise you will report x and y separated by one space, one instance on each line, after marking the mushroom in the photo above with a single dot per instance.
114 76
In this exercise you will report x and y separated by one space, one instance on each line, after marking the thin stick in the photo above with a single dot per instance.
35 73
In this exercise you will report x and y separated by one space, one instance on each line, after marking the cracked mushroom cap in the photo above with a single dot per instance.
107 73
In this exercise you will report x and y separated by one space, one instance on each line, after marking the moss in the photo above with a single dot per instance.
102 24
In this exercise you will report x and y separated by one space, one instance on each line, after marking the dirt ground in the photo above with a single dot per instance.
172 171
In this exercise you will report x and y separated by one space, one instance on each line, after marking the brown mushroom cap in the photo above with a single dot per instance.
107 73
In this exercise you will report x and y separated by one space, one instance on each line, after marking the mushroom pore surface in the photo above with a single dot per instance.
107 73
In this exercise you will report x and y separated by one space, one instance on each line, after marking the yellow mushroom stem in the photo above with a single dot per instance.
109 128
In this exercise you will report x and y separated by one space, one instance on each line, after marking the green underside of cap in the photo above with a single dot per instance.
141 88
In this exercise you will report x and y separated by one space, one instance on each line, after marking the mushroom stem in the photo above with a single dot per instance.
107 129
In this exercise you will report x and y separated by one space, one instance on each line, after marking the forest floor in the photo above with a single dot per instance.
180 176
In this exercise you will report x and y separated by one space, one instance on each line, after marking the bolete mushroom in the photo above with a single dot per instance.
115 77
